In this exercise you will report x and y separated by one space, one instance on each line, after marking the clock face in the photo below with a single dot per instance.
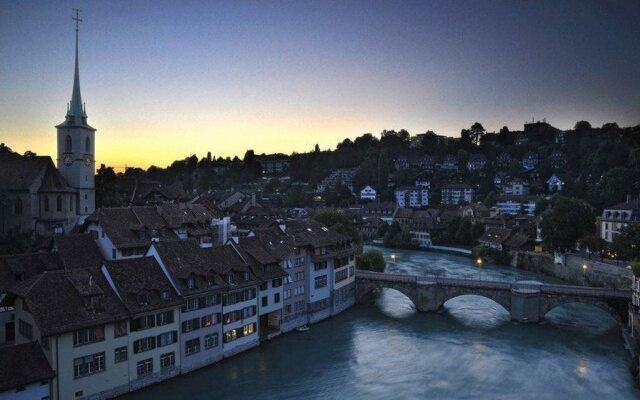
87 161
68 159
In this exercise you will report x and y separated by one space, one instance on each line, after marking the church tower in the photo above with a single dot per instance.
76 146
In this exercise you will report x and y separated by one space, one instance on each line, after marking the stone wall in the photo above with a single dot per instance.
597 274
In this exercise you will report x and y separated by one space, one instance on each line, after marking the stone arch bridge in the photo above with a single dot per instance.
526 301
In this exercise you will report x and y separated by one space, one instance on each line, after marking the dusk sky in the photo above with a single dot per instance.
166 79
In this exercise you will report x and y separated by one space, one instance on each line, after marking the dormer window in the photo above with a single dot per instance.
230 279
246 275
191 283
143 298
96 303
166 294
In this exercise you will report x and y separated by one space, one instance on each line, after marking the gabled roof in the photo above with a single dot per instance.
23 364
25 266
309 232
141 276
262 262
21 173
78 251
495 235
58 300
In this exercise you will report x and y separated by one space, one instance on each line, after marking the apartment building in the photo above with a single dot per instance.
454 194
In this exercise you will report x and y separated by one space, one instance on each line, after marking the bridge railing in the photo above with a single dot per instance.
489 284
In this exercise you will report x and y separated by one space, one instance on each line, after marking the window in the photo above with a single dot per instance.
276 298
248 329
120 329
164 318
145 367
276 282
299 276
265 301
59 203
320 266
248 312
17 207
192 346
25 329
71 207
46 203
167 338
190 305
287 294
263 286
191 283
211 341
209 320
113 254
144 344
167 360
88 335
87 145
320 281
342 275
121 354
190 325
67 144
88 365
142 323
166 294
230 336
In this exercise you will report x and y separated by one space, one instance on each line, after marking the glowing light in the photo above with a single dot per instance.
479 261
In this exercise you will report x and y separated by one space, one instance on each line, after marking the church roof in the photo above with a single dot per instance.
21 172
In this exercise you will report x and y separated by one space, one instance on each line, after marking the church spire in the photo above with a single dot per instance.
76 111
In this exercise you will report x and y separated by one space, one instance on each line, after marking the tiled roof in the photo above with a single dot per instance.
58 300
262 262
23 364
20 173
19 267
495 235
312 233
78 251
141 276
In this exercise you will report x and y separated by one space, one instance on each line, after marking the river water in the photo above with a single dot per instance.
386 350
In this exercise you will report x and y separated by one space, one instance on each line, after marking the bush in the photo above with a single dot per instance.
635 268
372 260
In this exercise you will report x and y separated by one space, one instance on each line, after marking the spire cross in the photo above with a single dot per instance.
77 18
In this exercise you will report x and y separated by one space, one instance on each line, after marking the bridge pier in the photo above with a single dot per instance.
525 305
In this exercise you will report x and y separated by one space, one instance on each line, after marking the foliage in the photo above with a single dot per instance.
635 267
565 222
339 223
398 235
626 245
106 187
371 260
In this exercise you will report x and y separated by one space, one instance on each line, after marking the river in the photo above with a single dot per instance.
386 350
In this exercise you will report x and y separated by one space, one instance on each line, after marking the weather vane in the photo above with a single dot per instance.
77 17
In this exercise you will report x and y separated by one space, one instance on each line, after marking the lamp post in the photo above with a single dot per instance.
584 271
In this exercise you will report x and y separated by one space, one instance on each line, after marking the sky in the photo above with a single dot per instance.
166 79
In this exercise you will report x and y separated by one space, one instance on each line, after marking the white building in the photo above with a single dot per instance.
412 197
454 194
554 184
615 219
368 193
514 205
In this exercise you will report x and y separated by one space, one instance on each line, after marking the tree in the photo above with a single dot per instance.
463 234
582 126
372 260
317 148
565 222
476 133
340 223
626 245
465 136
635 268
490 199
106 187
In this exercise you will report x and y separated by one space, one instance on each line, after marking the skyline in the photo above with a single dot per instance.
167 82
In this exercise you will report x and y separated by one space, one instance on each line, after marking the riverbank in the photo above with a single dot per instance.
456 251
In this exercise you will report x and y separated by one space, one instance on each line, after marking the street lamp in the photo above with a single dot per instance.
479 261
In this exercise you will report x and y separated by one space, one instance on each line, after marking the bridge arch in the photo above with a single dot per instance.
551 304
368 289
499 297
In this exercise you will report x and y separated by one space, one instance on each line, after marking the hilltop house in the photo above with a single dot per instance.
368 193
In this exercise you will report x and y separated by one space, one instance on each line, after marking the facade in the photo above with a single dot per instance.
615 219
368 193
634 307
514 205
454 194
412 196
341 175
530 161
476 162
554 184
504 159
516 187
39 199
450 163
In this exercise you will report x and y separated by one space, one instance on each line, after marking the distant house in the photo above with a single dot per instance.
454 194
555 184
368 193
504 159
530 161
26 373
402 163
499 179
423 182
450 163
476 162
614 219
412 196
516 187
514 205
522 138
504 239
274 164
427 162
383 210
558 159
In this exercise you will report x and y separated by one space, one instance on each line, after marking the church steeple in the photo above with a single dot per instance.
76 113
75 109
